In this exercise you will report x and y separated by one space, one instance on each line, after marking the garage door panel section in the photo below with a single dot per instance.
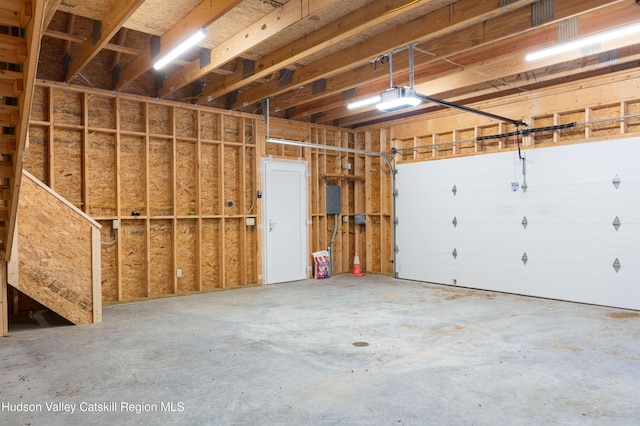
574 234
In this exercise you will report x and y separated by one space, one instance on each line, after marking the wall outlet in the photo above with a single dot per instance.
250 221
178 273
345 219
116 224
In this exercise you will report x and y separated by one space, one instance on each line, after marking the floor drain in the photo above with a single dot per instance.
360 344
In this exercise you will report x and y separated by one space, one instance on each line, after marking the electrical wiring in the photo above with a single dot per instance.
110 243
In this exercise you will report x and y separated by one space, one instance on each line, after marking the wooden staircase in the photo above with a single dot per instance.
21 27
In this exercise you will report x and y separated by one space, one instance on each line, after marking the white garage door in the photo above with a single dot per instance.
573 235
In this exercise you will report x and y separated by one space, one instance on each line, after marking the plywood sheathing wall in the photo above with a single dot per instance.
181 181
365 189
593 99
57 262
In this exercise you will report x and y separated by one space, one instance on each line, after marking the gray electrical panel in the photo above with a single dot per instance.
333 199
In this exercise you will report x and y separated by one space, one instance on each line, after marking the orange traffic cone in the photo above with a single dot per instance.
357 271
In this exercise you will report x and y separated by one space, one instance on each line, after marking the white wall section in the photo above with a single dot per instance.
570 239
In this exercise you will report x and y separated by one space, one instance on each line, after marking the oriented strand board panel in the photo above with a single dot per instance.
374 184
109 258
102 112
186 122
210 255
211 173
37 160
232 131
272 149
542 137
250 179
210 126
102 175
132 175
633 123
249 131
573 133
55 254
160 119
67 164
40 105
161 268
232 237
232 172
186 178
251 248
132 116
67 107
134 271
605 129
187 255
160 176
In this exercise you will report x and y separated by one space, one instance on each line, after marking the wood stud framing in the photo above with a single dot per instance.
150 155
451 126
193 174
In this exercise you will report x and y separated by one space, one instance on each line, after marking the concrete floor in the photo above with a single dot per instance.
287 354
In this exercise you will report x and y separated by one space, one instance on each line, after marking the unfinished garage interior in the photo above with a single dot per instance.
466 172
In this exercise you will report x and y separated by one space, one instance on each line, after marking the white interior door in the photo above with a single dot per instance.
285 221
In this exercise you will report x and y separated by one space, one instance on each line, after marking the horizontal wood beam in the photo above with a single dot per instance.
200 17
112 22
50 10
76 39
479 38
449 19
275 22
337 31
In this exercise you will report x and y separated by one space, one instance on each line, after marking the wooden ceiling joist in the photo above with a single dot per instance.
505 58
330 42
235 46
476 38
200 17
446 20
50 10
338 31
77 39
109 26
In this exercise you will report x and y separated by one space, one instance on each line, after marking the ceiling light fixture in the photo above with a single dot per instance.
583 42
364 102
394 98
180 49
398 98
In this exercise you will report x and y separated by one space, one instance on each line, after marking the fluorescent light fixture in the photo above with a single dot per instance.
397 98
583 42
180 49
364 102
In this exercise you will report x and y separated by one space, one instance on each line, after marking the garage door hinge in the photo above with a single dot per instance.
395 193
396 221
396 249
